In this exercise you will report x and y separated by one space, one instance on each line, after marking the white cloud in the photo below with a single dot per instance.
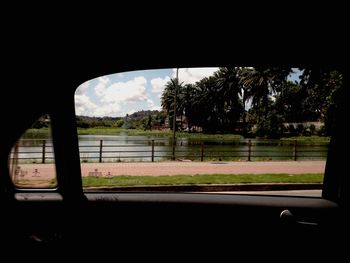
83 105
158 84
112 96
158 108
82 88
130 91
192 75
110 109
150 103
102 85
112 99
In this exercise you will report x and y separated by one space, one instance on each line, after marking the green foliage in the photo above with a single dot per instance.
91 122
143 120
173 87
217 103
147 123
309 140
43 133
322 89
300 129
270 126
312 129
290 102
119 123
91 181
42 122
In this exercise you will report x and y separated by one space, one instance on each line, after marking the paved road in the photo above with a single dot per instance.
43 171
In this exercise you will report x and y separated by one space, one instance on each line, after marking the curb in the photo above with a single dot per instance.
207 188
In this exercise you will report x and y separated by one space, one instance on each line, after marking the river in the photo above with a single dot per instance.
139 148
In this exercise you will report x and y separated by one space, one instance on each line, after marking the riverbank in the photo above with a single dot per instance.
44 133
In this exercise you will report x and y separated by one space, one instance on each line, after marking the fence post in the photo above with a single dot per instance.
249 150
152 151
295 150
44 148
100 159
174 146
202 151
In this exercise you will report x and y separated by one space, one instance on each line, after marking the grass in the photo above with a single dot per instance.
102 131
120 131
308 139
165 134
36 183
44 133
123 180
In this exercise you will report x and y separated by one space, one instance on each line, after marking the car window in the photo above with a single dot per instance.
235 129
32 161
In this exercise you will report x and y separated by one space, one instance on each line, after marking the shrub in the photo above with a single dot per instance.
312 128
300 129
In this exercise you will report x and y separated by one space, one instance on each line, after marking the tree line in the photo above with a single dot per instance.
145 119
257 101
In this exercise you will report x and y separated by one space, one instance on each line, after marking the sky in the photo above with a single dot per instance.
119 94
124 93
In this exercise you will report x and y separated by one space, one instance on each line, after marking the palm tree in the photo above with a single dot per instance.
320 86
188 99
167 98
200 108
260 83
229 91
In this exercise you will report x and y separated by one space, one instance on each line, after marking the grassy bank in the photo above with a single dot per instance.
116 131
45 132
308 139
200 179
91 181
165 134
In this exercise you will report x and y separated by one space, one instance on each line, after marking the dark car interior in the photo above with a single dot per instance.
157 225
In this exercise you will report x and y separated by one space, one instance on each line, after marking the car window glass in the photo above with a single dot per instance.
32 161
233 127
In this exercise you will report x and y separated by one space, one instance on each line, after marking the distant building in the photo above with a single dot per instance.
167 122
181 122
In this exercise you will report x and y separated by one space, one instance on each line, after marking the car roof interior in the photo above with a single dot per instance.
43 81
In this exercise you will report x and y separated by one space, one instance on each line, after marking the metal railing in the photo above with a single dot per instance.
161 149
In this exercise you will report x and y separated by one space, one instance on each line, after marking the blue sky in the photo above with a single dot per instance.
124 93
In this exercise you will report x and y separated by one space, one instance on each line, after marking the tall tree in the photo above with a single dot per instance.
205 108
229 91
290 102
167 99
321 88
261 83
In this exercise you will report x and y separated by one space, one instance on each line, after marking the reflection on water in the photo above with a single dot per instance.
121 148
139 148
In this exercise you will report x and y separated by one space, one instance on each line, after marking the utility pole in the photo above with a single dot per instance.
174 118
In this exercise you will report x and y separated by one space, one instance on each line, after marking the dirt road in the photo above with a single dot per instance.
43 171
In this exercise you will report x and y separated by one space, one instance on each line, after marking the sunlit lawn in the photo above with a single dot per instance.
91 181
